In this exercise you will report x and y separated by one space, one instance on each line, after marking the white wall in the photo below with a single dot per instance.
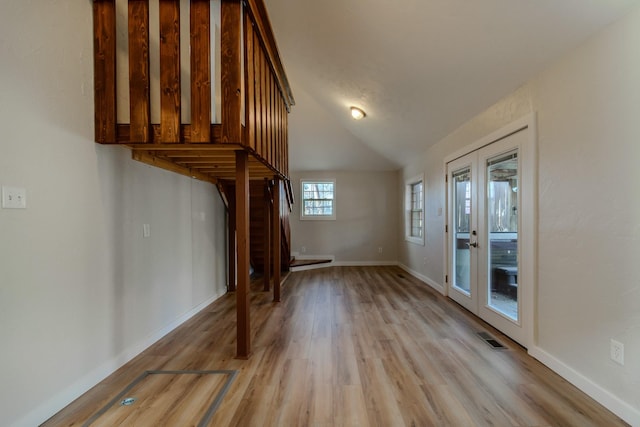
366 218
80 290
588 290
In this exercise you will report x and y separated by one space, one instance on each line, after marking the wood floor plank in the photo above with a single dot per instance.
347 346
382 407
257 408
350 407
448 409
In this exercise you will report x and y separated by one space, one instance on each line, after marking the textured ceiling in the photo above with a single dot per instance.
419 68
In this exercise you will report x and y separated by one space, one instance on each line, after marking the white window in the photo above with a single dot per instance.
414 210
318 199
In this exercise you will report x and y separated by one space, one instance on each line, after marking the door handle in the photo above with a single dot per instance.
473 244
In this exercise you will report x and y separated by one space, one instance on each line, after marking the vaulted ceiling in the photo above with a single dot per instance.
419 68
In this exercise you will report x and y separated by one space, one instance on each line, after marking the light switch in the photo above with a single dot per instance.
146 230
14 198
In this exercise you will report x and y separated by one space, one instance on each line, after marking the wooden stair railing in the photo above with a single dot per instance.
254 105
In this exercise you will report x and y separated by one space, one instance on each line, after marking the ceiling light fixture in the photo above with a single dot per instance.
357 113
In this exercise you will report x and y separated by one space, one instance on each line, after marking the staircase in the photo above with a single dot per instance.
260 201
260 211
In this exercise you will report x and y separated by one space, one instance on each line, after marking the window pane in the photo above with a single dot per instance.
415 196
317 198
502 224
462 217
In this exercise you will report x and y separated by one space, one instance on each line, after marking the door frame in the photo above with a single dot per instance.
529 216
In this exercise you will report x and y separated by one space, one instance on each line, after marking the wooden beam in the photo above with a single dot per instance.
267 236
276 238
200 71
242 236
231 65
104 66
139 79
169 71
186 150
123 134
151 160
200 163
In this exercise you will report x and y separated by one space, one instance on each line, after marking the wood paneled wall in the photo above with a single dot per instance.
266 105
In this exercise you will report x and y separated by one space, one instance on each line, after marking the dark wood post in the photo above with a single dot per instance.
242 233
277 236
267 236
231 243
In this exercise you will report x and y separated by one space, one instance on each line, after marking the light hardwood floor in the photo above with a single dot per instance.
357 346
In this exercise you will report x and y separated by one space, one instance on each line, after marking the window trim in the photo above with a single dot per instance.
304 217
409 183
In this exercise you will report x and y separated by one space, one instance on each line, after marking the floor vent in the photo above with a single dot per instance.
486 337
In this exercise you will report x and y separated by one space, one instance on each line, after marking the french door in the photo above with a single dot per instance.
485 242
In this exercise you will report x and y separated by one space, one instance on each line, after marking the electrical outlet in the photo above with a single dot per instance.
617 352
303 249
380 250
14 198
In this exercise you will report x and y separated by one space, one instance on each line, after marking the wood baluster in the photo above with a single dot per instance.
200 71
104 42
169 70
139 79
242 235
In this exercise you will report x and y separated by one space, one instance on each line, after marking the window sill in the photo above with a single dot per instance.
415 240
318 218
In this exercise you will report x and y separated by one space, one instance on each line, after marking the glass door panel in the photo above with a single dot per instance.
463 238
461 229
501 206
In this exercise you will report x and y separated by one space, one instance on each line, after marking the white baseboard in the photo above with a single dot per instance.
363 263
607 399
435 285
49 408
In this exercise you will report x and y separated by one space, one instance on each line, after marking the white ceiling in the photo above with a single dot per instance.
419 68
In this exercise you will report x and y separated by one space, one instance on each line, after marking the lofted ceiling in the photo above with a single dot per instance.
419 68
